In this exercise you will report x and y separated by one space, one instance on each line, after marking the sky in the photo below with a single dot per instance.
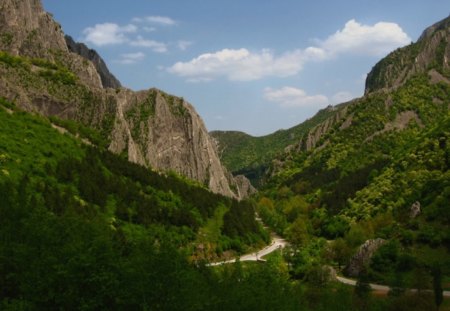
250 65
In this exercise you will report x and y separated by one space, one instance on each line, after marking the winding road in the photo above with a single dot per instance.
277 243
378 287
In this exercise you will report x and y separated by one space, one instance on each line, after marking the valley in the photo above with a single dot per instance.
121 200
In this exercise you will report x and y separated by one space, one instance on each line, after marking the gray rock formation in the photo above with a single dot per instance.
153 128
362 257
415 210
241 186
108 79
26 29
432 50
166 133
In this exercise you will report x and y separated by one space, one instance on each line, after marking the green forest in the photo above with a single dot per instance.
359 194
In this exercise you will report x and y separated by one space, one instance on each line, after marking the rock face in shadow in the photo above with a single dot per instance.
56 76
362 257
108 79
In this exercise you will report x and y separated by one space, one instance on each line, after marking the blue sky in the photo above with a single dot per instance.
250 65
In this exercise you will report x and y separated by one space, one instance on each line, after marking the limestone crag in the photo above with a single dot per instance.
243 187
431 51
108 79
165 132
363 256
153 128
26 29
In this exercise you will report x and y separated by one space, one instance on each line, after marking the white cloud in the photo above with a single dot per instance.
342 97
108 33
376 40
131 58
184 45
149 29
155 46
239 65
160 20
243 65
289 97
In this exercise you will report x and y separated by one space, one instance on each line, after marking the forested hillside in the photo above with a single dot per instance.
112 199
251 156
384 175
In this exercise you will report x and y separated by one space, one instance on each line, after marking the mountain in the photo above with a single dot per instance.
428 53
376 181
251 156
108 79
45 72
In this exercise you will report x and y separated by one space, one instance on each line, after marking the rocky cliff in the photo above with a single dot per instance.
165 132
430 52
108 79
39 72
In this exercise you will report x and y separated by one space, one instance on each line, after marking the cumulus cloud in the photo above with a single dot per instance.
239 65
184 45
243 65
131 58
149 29
376 40
108 33
289 97
155 46
160 20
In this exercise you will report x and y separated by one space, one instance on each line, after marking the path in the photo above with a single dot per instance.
377 287
277 243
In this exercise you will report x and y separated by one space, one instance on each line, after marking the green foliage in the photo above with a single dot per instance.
59 76
362 183
13 61
6 38
7 104
251 156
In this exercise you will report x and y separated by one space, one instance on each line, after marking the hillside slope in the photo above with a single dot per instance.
251 156
39 73
381 172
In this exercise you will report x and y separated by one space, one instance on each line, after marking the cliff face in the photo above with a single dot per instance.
54 77
430 52
165 132
108 79
27 30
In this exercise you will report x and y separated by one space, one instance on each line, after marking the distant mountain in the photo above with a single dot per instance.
42 71
251 156
428 53
376 181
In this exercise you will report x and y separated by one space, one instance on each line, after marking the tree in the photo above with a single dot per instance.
363 290
437 286
341 251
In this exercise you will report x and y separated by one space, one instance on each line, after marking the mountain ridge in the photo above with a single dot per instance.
41 74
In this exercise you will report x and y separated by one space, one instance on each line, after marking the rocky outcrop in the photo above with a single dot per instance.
362 257
153 128
241 186
107 78
311 140
402 120
26 29
431 51
166 133
415 210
